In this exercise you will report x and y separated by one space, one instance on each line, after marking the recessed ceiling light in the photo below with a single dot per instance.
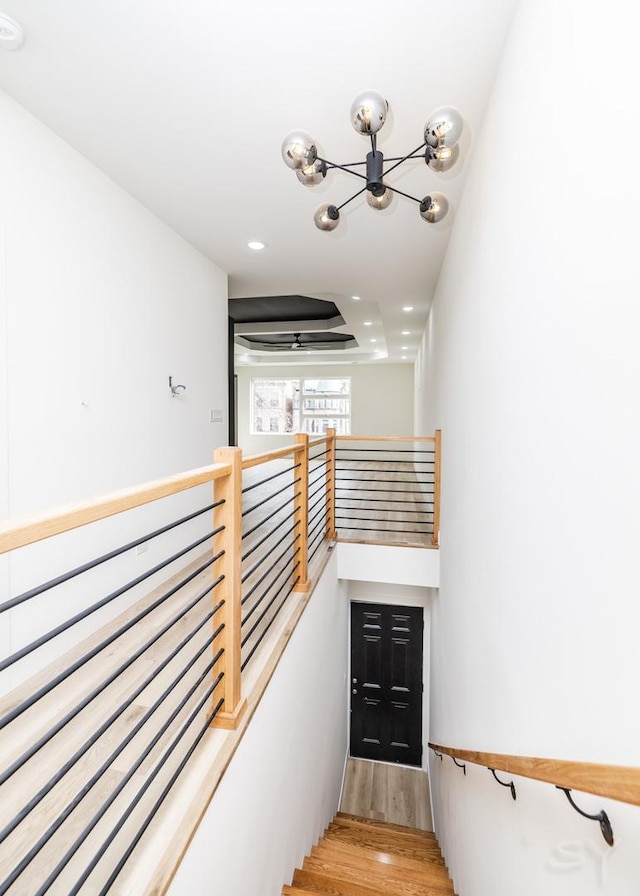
373 340
406 332
367 323
407 308
256 245
11 34
404 357
356 298
404 347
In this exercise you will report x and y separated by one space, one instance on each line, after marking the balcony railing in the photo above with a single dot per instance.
135 618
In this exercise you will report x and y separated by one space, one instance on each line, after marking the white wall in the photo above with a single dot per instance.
100 302
381 399
283 785
530 366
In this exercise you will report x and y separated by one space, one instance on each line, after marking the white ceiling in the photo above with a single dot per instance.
185 106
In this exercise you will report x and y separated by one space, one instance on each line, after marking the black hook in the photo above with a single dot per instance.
460 764
601 817
503 783
439 755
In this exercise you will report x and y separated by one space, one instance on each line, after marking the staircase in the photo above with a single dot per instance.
361 857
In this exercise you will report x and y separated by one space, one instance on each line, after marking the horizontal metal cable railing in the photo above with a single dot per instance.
133 640
91 738
387 486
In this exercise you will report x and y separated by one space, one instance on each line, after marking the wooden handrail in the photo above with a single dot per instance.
315 442
385 438
616 782
19 532
256 459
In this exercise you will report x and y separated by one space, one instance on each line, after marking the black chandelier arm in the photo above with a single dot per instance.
410 155
355 195
406 195
346 167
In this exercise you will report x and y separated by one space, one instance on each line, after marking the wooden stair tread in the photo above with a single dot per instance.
367 864
340 881
375 823
400 844
357 857
388 880
382 855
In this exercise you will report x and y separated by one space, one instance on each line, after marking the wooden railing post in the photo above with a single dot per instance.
435 539
229 540
301 510
330 527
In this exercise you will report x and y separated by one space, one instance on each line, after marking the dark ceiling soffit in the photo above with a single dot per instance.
260 309
289 326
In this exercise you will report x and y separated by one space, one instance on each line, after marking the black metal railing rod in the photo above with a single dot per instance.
127 777
69 623
90 564
321 478
373 470
165 792
315 517
267 627
317 542
268 536
321 488
321 500
384 491
254 587
105 683
270 497
265 557
248 488
272 584
389 450
372 519
276 510
311 530
319 454
269 605
340 506
384 500
386 529
81 661
81 751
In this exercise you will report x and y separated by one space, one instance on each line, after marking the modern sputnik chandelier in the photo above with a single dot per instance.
440 151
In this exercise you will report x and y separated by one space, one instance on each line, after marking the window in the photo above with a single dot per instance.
307 405
275 406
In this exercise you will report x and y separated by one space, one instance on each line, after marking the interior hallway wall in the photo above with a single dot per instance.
530 366
100 302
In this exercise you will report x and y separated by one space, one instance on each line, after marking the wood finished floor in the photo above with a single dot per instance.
384 792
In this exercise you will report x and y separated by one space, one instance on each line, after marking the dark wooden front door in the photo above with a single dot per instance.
386 683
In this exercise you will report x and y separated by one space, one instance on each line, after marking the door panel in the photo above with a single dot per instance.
386 691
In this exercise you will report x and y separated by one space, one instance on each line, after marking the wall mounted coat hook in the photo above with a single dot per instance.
504 783
461 765
177 389
601 817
